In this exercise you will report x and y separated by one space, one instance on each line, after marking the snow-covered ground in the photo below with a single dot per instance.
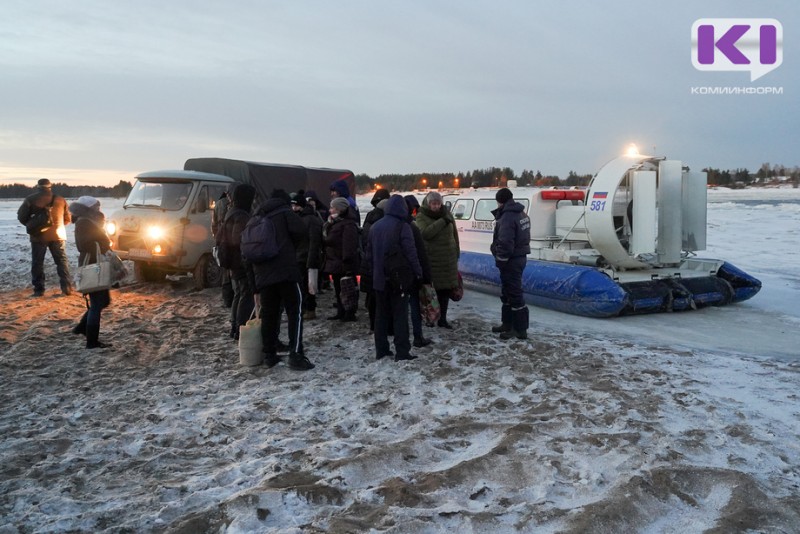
682 422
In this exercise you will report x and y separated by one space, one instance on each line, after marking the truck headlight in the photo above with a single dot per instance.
111 228
155 232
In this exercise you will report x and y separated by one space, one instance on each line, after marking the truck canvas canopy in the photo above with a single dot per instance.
265 177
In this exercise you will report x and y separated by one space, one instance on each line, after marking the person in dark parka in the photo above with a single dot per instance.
341 251
236 217
391 302
89 234
221 206
510 248
309 252
413 302
277 282
378 202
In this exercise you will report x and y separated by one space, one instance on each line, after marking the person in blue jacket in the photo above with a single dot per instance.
392 258
510 247
340 189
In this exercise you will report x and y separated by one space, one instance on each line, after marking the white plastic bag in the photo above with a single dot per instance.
313 281
250 344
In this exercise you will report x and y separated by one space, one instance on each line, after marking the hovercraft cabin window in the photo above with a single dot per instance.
463 208
485 206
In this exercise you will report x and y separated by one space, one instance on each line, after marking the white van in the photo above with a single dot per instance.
164 226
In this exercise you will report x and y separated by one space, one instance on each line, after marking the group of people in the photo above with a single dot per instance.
46 216
401 247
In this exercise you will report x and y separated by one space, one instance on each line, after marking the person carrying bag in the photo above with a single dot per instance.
93 243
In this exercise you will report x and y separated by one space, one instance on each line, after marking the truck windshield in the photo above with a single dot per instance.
161 195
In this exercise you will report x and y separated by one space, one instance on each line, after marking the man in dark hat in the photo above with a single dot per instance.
511 245
45 216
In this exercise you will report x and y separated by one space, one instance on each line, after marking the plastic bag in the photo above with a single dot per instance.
349 293
429 304
313 281
250 344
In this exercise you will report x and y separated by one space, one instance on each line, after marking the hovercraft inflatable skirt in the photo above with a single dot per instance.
590 292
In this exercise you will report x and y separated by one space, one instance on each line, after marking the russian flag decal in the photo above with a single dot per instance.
600 194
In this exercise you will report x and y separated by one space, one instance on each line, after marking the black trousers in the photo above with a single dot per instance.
273 298
511 281
391 306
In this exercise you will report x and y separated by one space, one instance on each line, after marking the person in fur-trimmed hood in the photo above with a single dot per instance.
89 235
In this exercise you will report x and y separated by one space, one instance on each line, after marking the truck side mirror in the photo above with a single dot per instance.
200 205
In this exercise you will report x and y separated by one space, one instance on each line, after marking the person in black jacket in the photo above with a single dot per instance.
510 247
309 253
236 217
340 235
277 282
89 234
52 238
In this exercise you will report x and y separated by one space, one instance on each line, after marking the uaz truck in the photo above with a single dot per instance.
164 226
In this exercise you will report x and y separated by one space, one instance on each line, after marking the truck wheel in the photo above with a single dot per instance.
207 273
147 273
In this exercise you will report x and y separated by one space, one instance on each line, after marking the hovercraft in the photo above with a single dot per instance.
625 245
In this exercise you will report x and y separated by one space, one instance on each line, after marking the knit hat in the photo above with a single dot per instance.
430 197
299 198
89 202
45 183
504 195
341 204
341 188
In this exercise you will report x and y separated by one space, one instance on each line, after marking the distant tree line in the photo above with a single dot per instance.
491 177
767 174
120 190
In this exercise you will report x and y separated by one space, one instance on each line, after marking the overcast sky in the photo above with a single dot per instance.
97 91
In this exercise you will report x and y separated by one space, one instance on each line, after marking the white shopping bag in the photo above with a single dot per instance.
250 344
313 281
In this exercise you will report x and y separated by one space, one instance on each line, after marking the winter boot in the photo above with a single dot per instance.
505 326
519 324
271 360
421 341
80 328
299 362
349 316
92 333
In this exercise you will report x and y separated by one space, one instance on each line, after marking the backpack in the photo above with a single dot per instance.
396 267
40 220
227 252
259 240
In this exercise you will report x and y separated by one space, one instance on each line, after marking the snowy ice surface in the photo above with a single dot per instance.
661 423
